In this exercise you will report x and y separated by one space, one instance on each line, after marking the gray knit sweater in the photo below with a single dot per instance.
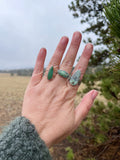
20 141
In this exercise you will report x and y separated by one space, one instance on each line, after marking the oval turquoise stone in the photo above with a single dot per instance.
50 73
63 73
75 78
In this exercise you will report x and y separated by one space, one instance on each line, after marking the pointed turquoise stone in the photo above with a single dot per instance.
50 73
75 78
63 73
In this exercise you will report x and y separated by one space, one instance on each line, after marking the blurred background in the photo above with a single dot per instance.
27 26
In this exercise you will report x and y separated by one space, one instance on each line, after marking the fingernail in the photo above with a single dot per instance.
94 94
89 46
43 50
64 40
77 35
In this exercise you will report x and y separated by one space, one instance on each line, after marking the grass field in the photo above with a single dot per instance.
11 96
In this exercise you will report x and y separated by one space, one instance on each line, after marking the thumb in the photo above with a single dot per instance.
83 108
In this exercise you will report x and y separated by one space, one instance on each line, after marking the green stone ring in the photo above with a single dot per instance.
50 73
62 73
75 78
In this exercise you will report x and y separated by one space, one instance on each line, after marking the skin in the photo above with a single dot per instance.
49 104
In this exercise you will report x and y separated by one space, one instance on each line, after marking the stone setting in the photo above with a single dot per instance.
62 73
50 73
75 78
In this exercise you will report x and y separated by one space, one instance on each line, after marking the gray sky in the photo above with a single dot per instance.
27 25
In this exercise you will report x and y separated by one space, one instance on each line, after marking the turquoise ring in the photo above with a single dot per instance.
75 78
50 73
63 74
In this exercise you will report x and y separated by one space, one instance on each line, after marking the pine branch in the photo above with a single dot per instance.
112 12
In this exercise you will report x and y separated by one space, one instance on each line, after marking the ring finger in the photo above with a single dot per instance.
83 62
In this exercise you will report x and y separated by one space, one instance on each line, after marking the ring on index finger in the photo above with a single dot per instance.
51 73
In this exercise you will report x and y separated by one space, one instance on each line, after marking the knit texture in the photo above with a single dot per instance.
20 141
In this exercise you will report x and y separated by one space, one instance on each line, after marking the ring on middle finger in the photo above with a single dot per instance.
62 73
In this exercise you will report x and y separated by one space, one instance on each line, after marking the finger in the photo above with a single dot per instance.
57 56
82 64
69 59
84 59
38 69
83 108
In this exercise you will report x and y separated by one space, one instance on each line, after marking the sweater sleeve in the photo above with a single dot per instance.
20 141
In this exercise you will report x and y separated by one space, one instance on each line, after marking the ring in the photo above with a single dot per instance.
50 73
75 78
62 73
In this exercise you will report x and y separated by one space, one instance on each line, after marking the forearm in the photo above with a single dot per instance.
21 141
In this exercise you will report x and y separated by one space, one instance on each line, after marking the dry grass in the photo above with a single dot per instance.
11 96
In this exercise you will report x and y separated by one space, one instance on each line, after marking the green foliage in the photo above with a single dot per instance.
100 138
89 79
109 89
112 12
70 139
101 118
103 115
70 154
110 82
91 13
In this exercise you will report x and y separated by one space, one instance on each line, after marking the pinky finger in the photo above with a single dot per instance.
83 108
38 69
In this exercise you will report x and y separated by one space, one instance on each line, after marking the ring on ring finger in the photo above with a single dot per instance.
75 78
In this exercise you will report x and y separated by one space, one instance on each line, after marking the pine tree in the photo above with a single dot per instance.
103 117
112 12
107 28
90 12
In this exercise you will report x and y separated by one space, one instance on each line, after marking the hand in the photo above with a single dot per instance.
49 104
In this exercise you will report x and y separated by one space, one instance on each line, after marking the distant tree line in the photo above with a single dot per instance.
18 72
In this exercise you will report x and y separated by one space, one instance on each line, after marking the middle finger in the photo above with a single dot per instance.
69 59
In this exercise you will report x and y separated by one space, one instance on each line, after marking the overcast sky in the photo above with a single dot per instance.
27 25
